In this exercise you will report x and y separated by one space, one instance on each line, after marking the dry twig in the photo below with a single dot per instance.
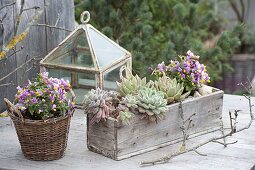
233 130
10 4
52 26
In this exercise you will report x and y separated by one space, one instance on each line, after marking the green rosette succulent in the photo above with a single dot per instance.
151 103
173 91
131 84
127 107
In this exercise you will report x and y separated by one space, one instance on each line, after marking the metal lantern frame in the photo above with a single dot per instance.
98 71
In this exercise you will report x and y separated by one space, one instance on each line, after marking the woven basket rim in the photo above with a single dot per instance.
48 121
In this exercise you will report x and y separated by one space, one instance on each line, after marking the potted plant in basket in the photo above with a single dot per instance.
41 115
143 116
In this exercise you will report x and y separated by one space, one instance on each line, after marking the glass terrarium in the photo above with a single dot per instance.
88 59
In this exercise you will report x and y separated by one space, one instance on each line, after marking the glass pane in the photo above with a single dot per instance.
75 51
81 82
66 75
86 79
106 52
110 79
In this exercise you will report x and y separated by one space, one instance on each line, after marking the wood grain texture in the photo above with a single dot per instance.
38 42
8 64
64 13
101 137
142 135
35 42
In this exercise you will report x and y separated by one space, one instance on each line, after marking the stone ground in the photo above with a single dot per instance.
238 156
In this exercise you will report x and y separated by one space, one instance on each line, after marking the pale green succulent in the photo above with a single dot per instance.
151 103
126 107
171 88
131 84
125 116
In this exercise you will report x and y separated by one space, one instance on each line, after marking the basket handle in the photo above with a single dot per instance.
126 69
12 109
73 95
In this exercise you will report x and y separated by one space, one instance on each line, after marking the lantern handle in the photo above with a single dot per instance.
87 15
127 71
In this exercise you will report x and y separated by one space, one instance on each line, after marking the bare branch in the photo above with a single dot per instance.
189 118
7 84
15 51
201 154
22 3
235 9
242 9
223 133
3 18
51 26
20 67
35 7
225 144
170 156
10 4
184 133
57 20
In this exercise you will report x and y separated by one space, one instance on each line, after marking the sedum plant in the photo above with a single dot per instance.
151 103
131 84
173 91
127 107
99 104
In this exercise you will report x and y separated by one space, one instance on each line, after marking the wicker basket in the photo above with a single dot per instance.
40 140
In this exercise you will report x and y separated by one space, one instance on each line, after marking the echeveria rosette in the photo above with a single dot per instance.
187 70
44 98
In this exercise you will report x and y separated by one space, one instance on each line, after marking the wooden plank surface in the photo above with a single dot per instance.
35 42
8 64
60 15
240 156
38 42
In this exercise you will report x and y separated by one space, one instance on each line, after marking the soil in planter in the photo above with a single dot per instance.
35 116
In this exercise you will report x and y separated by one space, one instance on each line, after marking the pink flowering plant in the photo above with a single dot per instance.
187 70
44 98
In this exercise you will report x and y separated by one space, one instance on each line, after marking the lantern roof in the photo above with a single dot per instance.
95 52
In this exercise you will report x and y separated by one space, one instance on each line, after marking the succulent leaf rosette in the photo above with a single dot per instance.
44 98
151 104
188 70
100 104
173 91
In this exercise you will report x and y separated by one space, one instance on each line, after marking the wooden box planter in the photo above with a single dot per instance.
118 141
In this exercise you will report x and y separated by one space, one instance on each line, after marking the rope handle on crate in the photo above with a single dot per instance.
12 110
126 69
73 95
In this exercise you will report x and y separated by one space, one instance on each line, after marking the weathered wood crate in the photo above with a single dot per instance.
118 141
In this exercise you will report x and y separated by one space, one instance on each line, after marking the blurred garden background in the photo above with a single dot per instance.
222 32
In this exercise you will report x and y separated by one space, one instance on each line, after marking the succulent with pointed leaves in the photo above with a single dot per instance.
171 88
131 84
99 104
127 107
151 103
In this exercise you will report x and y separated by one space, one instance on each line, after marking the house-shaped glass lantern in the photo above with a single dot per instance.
88 59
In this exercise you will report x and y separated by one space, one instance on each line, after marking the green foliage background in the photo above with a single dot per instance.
160 30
